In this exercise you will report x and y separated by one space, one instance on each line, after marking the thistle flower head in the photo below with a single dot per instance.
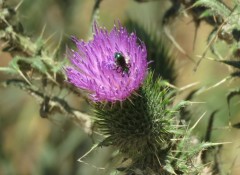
111 66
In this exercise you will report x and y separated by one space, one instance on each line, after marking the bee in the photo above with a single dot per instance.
122 64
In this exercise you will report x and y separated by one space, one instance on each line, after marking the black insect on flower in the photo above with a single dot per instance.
122 64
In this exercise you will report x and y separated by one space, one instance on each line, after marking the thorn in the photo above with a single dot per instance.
121 104
169 35
18 5
130 100
218 83
166 83
208 45
50 37
88 152
51 78
188 86
197 102
9 25
112 104
137 94
80 159
197 24
58 45
24 77
43 30
197 121
188 8
220 143
5 69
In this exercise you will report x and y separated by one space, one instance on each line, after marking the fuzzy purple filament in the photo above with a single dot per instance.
95 69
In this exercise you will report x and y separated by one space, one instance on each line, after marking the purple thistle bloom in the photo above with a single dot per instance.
111 66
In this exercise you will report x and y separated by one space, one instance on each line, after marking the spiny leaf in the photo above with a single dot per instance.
233 63
38 64
8 70
219 8
34 62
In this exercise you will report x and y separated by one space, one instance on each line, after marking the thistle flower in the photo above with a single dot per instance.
111 66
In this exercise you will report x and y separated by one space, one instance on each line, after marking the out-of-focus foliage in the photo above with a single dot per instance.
36 34
36 67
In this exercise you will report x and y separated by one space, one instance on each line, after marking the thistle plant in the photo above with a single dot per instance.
133 111
127 77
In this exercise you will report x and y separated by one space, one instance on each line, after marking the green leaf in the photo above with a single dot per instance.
216 6
38 64
8 70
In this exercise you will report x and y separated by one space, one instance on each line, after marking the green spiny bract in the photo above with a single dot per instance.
146 130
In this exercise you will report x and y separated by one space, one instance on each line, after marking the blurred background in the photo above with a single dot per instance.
32 145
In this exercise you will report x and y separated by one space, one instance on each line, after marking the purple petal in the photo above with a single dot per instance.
95 69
